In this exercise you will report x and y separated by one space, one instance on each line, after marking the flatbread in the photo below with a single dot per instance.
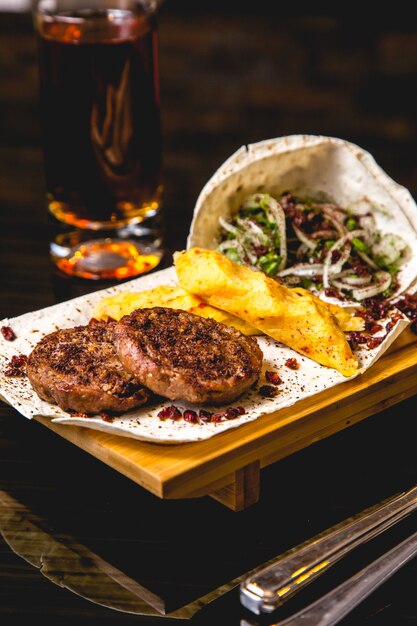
306 165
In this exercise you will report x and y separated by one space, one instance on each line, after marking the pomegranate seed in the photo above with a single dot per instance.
170 412
8 333
372 327
18 360
163 414
190 416
16 366
106 417
231 413
374 342
15 372
267 391
292 364
273 378
204 415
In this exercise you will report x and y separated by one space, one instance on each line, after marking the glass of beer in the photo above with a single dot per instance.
100 120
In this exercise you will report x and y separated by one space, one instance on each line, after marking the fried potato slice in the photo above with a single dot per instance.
171 297
345 316
299 320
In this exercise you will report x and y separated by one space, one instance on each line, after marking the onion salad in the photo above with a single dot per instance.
335 252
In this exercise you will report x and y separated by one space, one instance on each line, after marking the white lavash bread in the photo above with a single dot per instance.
306 165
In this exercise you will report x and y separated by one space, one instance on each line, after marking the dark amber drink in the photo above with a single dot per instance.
100 118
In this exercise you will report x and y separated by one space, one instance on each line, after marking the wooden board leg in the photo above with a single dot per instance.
243 491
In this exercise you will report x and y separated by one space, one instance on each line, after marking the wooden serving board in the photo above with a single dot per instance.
227 466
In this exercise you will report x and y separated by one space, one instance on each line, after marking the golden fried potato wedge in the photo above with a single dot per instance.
297 319
171 297
345 316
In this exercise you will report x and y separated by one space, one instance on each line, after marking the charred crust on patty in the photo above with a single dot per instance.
183 356
78 369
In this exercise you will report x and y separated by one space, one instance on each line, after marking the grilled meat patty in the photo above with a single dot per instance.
78 369
182 356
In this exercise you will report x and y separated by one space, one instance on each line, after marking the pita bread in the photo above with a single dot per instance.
306 165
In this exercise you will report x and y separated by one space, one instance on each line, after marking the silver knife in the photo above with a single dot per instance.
335 605
269 587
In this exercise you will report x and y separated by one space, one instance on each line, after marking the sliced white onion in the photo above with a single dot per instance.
336 218
304 239
340 285
233 243
275 213
301 251
229 227
254 228
303 269
367 260
383 282
248 252
228 243
250 225
336 268
324 234
279 215
345 286
356 281
367 222
389 248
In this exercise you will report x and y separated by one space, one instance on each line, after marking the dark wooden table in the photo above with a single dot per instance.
229 75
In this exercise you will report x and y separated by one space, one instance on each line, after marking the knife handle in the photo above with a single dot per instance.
268 588
335 605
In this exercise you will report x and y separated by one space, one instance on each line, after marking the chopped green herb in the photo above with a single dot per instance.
392 268
358 244
233 255
269 263
351 223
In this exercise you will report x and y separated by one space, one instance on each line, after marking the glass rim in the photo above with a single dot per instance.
49 9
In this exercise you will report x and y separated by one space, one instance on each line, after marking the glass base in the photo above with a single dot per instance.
117 254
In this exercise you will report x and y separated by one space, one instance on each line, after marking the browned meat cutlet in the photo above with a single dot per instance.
78 369
182 356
